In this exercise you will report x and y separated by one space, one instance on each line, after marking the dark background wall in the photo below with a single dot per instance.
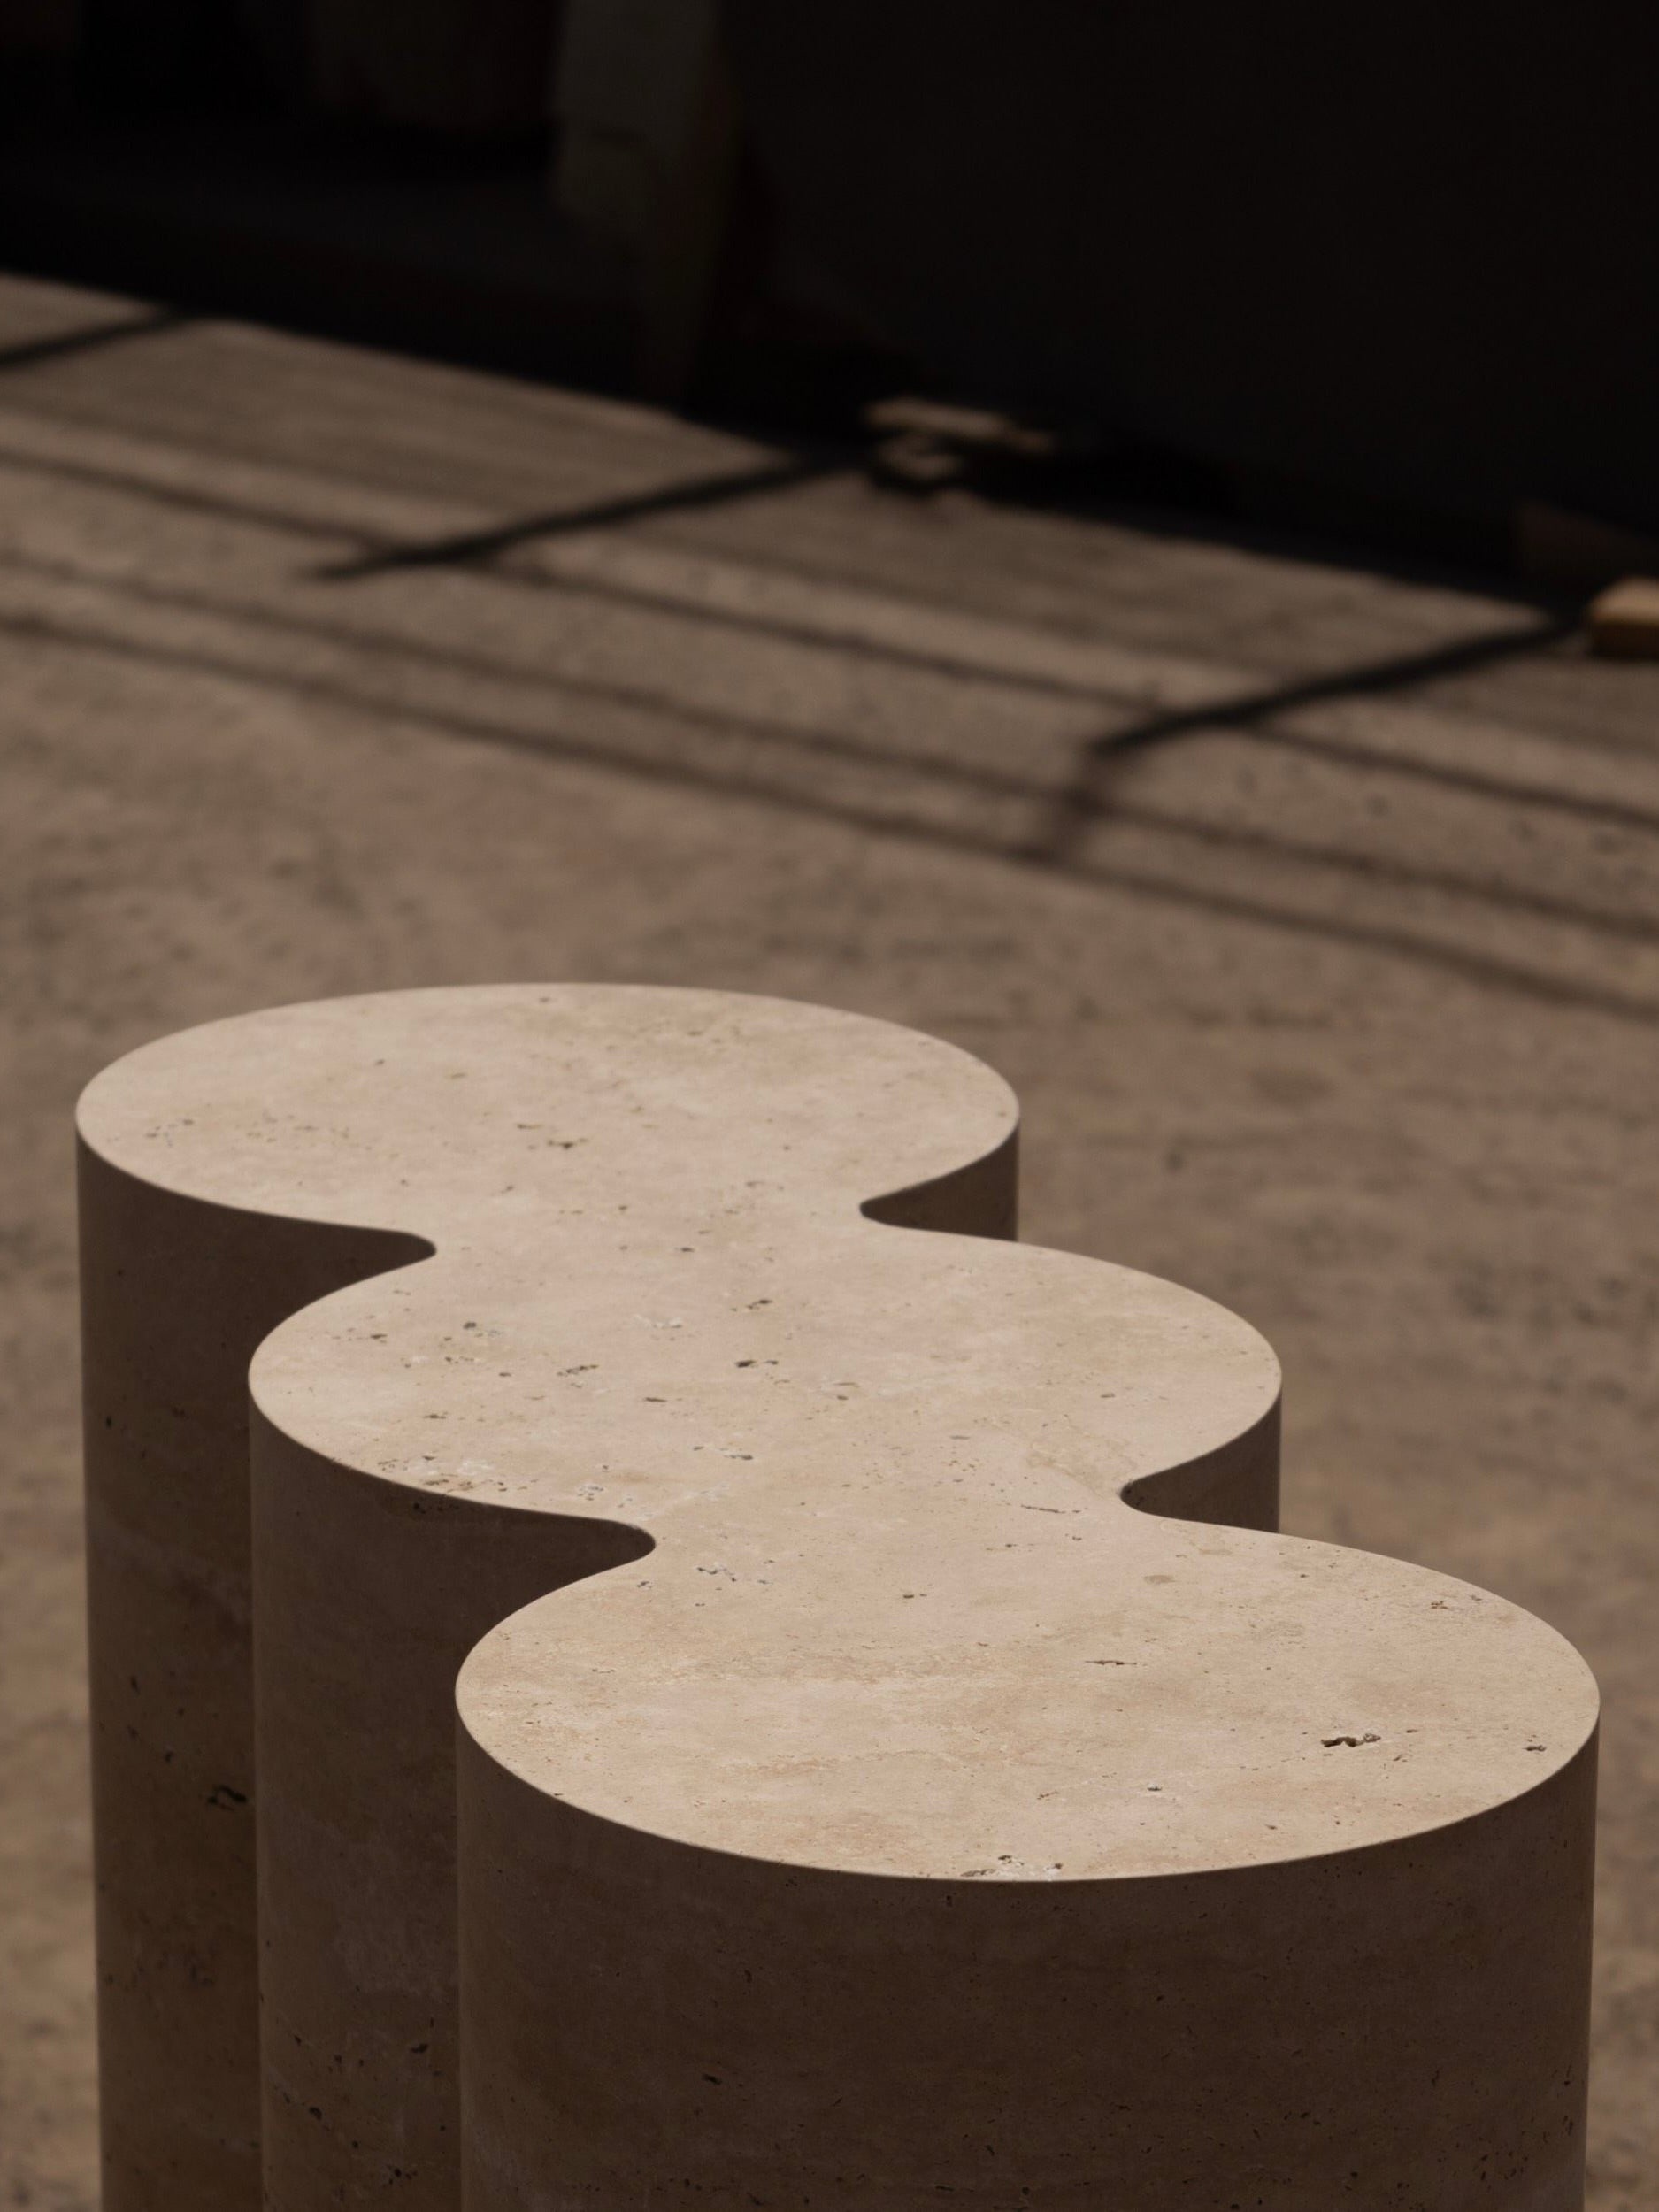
1409 250
478 67
1402 258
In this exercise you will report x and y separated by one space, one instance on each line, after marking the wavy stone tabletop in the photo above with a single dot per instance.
859 1799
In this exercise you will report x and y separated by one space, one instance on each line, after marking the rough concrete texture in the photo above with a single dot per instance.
861 1615
1337 1000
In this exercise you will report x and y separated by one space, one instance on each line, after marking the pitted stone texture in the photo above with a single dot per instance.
859 1800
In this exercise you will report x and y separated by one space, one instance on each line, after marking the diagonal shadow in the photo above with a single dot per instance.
604 514
1088 796
1491 970
1253 707
942 771
90 337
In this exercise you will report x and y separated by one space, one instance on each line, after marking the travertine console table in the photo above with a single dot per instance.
855 1803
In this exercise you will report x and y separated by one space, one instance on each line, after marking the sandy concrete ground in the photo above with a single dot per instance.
1337 998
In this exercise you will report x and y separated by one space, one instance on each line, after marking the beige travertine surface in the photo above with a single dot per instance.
1344 1014
895 1766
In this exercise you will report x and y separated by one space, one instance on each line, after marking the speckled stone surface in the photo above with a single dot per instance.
859 1801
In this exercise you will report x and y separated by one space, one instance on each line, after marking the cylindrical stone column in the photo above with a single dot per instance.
899 1757
177 1292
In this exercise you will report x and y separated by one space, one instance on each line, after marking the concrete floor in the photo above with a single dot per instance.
1336 995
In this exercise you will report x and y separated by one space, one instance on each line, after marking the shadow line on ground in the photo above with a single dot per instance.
1089 796
1474 967
28 352
469 546
1244 710
931 770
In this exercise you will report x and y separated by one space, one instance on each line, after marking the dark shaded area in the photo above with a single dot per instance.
384 237
170 56
1396 255
1376 278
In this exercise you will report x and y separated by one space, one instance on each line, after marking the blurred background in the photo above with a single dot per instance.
1070 527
